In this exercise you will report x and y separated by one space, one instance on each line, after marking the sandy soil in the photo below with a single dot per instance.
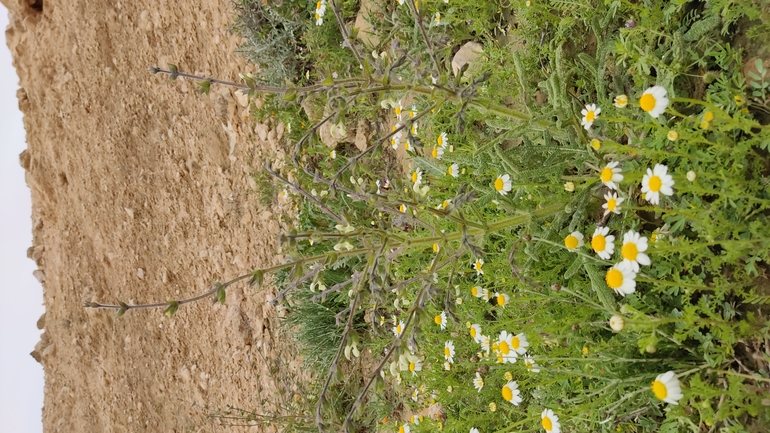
141 192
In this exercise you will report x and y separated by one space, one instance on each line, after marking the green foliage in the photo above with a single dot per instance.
525 175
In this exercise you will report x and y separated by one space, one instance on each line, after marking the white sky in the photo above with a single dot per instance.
21 296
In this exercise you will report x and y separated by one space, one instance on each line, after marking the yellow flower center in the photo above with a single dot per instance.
528 364
475 291
317 16
473 332
499 184
655 183
440 140
590 116
596 144
515 343
398 329
659 389
434 154
547 424
398 111
411 367
501 300
571 242
629 251
606 174
447 353
445 203
478 266
507 393
599 242
318 5
402 208
435 248
611 203
449 171
614 278
437 319
672 135
708 116
504 348
401 429
415 176
647 102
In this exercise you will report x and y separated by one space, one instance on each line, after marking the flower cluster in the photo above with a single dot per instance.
320 10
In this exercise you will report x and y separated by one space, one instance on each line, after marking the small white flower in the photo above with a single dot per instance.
437 152
590 113
654 101
415 366
506 353
632 251
621 278
343 246
657 181
398 329
441 140
617 323
480 292
478 383
447 366
511 393
449 352
612 204
453 170
503 184
550 421
417 177
602 243
345 229
611 174
530 364
574 241
569 187
477 265
475 331
621 101
691 176
474 429
441 320
666 387
502 299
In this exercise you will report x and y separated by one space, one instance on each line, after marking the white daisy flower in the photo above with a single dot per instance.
620 101
666 387
478 383
617 323
603 244
654 101
417 177
530 364
477 265
502 299
441 140
398 109
318 19
657 181
574 241
408 146
511 393
413 111
437 152
474 429
475 331
519 343
402 208
415 366
405 427
613 203
611 174
503 184
485 343
621 278
441 320
396 139
398 329
437 18
479 292
633 249
447 366
333 154
550 421
506 352
590 113
449 352
453 170
414 128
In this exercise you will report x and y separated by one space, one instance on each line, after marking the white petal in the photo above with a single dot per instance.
643 259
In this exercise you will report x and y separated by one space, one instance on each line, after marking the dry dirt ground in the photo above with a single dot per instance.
141 192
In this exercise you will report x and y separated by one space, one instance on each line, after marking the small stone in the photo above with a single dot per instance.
467 54
41 321
39 274
140 273
129 211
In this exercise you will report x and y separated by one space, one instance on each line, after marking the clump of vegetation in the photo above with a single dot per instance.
581 243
